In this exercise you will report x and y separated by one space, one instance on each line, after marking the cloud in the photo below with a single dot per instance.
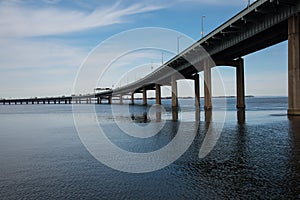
30 68
19 20
40 65
24 54
217 2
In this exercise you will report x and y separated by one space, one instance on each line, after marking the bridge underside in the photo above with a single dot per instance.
263 24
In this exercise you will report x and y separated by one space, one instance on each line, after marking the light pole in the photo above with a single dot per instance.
151 66
162 58
202 26
178 37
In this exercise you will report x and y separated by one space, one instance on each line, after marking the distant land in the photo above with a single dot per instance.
139 98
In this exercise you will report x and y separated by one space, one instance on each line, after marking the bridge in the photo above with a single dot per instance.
262 24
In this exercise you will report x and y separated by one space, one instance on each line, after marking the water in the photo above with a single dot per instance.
42 156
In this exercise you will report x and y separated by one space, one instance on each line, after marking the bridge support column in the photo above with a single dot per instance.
207 87
157 94
294 65
121 99
174 92
197 90
240 84
132 98
144 96
110 100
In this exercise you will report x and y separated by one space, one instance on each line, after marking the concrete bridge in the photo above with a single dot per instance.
262 24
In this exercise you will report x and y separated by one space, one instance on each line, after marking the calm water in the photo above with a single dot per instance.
258 157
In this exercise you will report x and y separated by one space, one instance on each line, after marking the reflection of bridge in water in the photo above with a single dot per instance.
262 24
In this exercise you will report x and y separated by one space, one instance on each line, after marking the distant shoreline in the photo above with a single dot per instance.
189 97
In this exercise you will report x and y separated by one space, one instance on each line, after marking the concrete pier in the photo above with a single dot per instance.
132 98
207 87
294 65
144 96
157 94
121 99
240 84
174 92
197 89
110 100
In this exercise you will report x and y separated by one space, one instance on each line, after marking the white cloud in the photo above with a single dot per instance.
218 2
22 21
30 68
22 54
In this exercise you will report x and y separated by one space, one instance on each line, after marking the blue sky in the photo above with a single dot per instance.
44 43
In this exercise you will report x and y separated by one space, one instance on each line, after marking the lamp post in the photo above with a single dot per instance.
178 37
202 26
151 66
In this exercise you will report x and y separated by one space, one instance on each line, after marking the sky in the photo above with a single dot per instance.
45 44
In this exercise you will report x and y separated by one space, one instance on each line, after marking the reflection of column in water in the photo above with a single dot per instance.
174 113
158 116
155 112
158 110
212 134
197 114
208 115
241 144
241 116
294 131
